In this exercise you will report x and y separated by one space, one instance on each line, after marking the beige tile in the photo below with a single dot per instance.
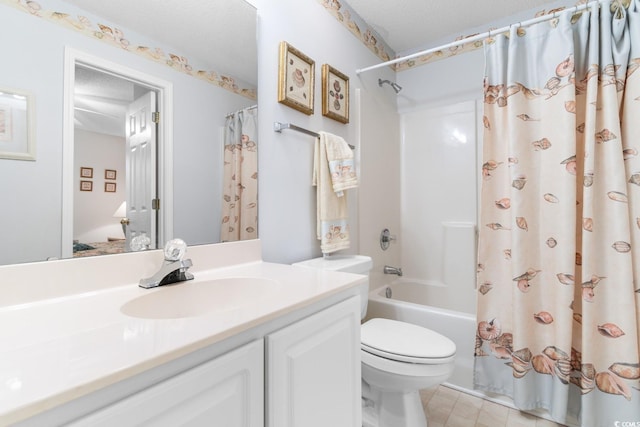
456 420
516 424
470 400
448 392
541 422
436 413
446 407
496 410
467 407
486 419
442 401
517 419
426 394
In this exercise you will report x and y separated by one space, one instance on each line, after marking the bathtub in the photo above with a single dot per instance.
407 304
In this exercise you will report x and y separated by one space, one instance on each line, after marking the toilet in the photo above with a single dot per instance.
398 358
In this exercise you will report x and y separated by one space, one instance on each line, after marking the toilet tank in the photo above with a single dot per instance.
357 264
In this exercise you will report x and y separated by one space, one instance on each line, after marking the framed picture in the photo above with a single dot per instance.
86 185
109 174
110 187
16 125
5 123
86 172
296 79
335 94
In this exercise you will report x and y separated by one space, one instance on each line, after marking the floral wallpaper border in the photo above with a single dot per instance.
111 34
355 24
350 19
467 47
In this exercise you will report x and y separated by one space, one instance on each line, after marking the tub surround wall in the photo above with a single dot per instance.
439 198
379 204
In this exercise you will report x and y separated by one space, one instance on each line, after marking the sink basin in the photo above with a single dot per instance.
190 299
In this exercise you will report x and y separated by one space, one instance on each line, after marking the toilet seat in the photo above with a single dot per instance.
405 342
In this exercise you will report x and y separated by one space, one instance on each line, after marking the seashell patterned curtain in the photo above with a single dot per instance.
240 177
559 245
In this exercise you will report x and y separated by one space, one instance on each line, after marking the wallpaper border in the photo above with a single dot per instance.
101 30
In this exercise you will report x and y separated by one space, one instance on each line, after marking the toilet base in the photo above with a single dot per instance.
383 408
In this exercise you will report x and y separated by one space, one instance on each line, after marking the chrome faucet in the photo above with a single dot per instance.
392 270
173 269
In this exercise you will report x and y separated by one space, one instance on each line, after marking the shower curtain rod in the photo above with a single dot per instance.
483 36
253 107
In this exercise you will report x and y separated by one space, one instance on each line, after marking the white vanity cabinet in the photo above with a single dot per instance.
313 370
225 391
312 373
274 345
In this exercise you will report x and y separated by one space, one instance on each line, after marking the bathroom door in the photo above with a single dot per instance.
141 169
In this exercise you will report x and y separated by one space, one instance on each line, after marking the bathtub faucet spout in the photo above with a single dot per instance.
392 270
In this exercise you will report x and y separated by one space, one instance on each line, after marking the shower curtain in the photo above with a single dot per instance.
240 177
559 245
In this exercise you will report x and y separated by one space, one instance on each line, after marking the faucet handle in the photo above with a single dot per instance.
174 250
386 238
140 242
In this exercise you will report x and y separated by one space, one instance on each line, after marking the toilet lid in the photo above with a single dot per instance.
390 338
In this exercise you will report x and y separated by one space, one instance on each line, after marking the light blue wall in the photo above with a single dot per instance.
287 199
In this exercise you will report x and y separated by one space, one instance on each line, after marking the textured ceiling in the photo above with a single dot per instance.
411 25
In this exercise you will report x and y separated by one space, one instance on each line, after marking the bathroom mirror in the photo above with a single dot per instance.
207 51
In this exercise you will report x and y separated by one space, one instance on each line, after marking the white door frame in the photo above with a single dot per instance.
164 89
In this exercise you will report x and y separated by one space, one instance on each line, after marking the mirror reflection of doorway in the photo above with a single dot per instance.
115 156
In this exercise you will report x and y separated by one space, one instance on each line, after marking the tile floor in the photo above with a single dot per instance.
446 407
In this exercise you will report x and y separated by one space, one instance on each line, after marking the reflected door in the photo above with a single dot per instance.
141 169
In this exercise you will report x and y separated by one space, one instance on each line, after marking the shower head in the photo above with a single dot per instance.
394 85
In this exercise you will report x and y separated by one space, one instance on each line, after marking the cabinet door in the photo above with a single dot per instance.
226 391
313 370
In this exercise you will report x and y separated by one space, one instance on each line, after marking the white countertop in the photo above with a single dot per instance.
56 350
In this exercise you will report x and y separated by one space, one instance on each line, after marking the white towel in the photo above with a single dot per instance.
341 163
332 214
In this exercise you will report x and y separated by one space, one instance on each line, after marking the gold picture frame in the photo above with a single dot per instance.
296 79
335 94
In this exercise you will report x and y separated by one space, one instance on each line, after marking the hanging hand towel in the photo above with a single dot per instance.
341 163
332 229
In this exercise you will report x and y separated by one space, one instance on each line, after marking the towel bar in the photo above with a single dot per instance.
278 127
